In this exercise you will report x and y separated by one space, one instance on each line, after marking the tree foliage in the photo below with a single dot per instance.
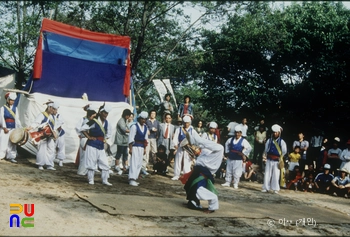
287 65
19 30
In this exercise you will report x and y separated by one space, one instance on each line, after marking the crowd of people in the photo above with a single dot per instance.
198 154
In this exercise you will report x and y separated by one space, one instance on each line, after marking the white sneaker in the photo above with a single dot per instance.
13 161
91 182
110 171
120 172
175 178
276 192
144 172
60 163
41 168
50 168
235 186
264 191
227 184
97 171
107 183
133 183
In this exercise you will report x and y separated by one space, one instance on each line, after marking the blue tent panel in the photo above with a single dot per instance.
101 81
84 49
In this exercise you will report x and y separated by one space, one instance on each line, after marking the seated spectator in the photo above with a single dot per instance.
161 163
308 184
341 184
248 173
323 180
310 169
296 178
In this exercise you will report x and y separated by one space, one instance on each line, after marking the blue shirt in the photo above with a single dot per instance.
340 181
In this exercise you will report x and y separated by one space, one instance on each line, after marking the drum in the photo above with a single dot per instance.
191 149
19 136
42 133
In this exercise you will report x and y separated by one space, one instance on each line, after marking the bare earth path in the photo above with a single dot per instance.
66 205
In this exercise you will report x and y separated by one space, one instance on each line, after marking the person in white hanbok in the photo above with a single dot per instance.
60 141
97 131
199 183
9 121
46 146
137 143
236 148
275 147
182 159
90 114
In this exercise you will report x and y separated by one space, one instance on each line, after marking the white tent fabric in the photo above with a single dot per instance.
71 110
160 88
7 82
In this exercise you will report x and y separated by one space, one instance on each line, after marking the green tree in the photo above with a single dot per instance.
315 65
238 78
287 65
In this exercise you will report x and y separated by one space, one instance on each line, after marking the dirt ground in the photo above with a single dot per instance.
66 205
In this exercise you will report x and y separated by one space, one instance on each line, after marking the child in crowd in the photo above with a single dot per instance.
248 171
297 176
308 183
161 163
294 158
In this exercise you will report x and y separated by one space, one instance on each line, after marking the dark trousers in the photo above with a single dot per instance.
302 163
312 155
258 152
122 151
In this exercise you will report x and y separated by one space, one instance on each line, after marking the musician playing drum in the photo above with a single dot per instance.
8 122
46 146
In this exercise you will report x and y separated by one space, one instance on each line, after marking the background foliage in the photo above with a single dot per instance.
288 65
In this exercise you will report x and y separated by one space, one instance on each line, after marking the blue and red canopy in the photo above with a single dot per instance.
70 61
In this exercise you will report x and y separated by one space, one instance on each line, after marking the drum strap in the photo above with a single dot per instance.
10 111
99 124
47 116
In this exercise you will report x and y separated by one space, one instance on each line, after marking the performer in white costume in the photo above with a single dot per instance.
97 131
9 120
199 185
60 144
236 148
182 159
46 146
137 143
275 147
90 114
